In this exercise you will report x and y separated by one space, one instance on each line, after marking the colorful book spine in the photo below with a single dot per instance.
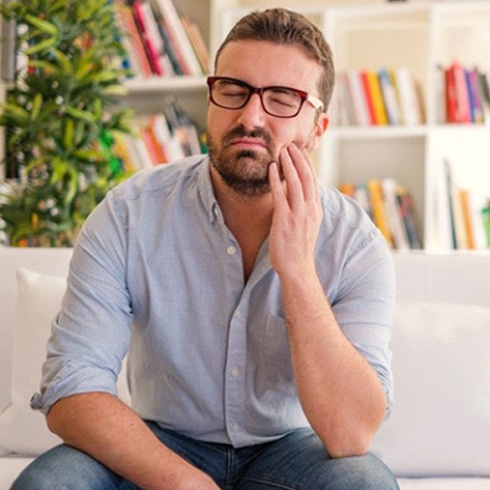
378 98
450 96
136 52
174 23
462 95
358 97
391 208
390 99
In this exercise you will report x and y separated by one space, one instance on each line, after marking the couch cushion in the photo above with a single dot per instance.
440 424
10 468
444 483
38 300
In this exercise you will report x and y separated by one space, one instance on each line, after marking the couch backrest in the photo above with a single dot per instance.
50 261
460 277
446 278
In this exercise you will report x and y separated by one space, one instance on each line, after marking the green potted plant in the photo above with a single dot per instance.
60 116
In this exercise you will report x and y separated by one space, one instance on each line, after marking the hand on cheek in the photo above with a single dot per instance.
297 212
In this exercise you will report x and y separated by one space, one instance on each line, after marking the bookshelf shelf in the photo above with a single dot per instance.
378 132
148 86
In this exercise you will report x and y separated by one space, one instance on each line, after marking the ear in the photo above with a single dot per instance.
321 124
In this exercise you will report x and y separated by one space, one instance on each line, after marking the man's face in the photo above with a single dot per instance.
243 142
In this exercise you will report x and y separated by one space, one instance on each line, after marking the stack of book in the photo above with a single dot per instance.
162 138
391 208
466 94
468 215
160 42
378 98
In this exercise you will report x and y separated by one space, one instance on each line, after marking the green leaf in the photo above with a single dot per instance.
17 113
87 155
59 170
82 115
34 163
116 89
42 46
36 106
68 136
65 62
42 25
44 65
72 185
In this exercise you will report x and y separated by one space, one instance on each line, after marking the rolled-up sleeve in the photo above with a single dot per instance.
91 334
364 306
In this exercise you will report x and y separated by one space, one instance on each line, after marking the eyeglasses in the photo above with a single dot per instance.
285 102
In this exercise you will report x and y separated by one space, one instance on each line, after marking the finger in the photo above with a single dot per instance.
315 182
304 168
293 183
277 189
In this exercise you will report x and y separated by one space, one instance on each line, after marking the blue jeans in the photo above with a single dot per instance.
297 461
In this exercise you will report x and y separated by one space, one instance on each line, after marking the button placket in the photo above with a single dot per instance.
235 369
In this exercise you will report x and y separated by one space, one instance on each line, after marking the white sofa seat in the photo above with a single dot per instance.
461 279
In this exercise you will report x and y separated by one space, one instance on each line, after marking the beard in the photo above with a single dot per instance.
244 171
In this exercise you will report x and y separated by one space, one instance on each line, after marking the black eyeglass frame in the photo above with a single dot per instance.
304 96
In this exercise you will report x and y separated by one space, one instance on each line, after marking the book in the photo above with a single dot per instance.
450 96
407 212
389 97
348 188
409 99
467 219
484 94
459 220
361 195
451 204
486 222
477 204
174 56
475 99
148 30
358 97
198 43
368 97
344 101
462 94
376 97
137 53
394 214
376 200
178 35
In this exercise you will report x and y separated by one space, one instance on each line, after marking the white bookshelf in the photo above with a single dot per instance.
419 36
368 34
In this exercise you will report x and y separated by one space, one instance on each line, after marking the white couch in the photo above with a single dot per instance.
438 437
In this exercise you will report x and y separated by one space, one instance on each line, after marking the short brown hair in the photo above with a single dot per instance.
282 26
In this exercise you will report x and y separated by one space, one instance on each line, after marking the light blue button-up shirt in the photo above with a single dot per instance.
156 271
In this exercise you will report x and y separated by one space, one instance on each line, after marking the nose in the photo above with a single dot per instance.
253 114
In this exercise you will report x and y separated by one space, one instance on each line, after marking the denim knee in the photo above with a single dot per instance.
66 468
366 472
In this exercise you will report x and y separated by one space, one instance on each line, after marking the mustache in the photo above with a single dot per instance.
241 132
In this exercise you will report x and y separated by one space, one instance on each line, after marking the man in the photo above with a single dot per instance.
255 303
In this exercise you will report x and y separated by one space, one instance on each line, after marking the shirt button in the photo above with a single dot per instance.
235 426
235 372
231 250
